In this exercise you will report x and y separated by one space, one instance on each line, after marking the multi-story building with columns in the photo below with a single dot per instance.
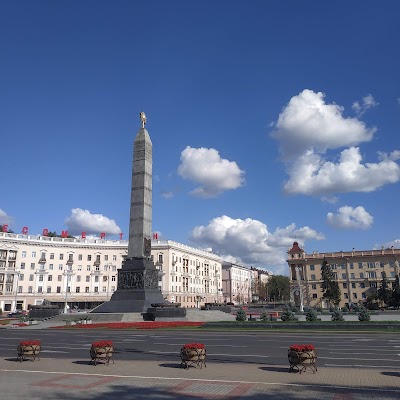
83 272
358 273
237 283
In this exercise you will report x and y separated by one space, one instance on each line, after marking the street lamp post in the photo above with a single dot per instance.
109 266
67 275
298 269
16 290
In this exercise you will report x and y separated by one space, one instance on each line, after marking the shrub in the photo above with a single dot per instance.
241 315
264 316
364 315
337 316
311 315
345 309
287 314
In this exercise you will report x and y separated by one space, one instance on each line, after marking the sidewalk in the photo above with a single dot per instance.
68 379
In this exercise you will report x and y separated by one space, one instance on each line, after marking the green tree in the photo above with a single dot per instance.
278 287
241 315
384 293
330 287
395 296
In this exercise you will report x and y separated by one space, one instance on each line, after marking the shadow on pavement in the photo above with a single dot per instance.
391 373
275 369
170 365
193 391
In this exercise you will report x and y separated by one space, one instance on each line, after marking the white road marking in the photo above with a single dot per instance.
361 366
211 354
356 358
366 389
207 345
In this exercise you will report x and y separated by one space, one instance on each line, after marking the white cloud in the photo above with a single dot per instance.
5 218
310 174
394 243
307 122
249 241
365 104
83 221
167 195
329 199
214 174
350 218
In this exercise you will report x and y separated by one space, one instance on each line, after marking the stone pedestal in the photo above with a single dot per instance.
137 288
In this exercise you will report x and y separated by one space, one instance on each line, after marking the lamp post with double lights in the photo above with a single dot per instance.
17 273
68 273
298 270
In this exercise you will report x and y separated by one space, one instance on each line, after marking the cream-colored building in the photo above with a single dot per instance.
237 283
83 272
358 273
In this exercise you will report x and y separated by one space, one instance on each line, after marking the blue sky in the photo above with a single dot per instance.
270 121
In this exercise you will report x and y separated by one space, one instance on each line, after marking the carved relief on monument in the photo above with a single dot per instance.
147 279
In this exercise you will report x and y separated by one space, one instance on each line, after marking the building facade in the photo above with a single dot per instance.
358 274
237 283
83 273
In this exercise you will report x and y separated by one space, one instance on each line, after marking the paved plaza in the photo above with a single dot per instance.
240 365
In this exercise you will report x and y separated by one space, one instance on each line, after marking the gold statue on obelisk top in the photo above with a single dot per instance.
143 118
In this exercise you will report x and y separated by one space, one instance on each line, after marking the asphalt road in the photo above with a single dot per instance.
356 350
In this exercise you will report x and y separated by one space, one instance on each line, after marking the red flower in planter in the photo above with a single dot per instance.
301 347
103 343
193 346
30 343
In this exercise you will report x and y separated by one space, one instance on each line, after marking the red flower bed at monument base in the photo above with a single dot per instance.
134 325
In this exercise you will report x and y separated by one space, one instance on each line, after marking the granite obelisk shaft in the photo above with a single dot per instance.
140 226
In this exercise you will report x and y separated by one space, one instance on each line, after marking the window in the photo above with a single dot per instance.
48 289
363 295
345 285
40 278
60 267
79 267
31 277
97 268
33 254
32 265
58 289
113 278
352 275
312 277
353 285
70 257
21 277
373 284
23 254
61 257
96 289
89 257
114 258
312 267
87 289
50 278
113 288
160 258
40 289
362 285
78 278
361 275
51 256
344 276
22 265
88 279
96 278
314 286
114 268
351 266
372 274
106 257
87 267
80 257
360 265
51 266
370 265
392 274
19 289
30 289
104 288
77 289
346 296
314 296
342 266
382 264
354 295
59 278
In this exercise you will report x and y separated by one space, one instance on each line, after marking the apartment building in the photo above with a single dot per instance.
83 273
358 273
237 282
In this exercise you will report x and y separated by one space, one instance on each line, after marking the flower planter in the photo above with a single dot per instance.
28 349
102 352
301 360
194 354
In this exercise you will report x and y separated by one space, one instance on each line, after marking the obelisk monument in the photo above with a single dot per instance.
138 278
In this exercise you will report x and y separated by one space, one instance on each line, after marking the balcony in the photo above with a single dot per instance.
96 273
41 272
97 263
42 260
70 261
